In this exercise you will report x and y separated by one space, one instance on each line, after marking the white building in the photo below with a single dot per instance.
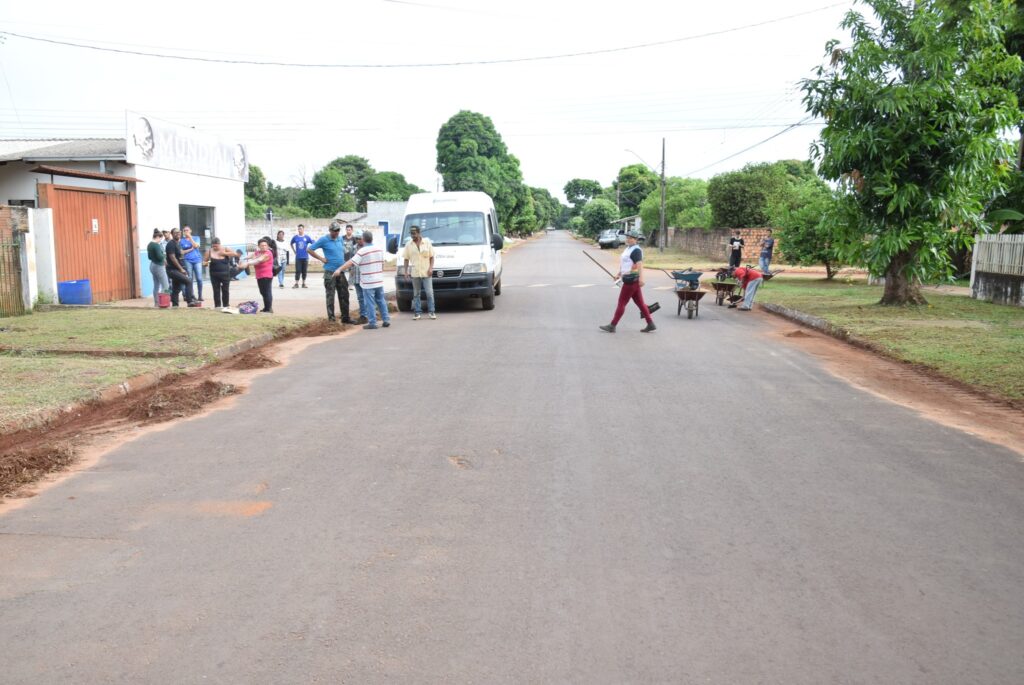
108 194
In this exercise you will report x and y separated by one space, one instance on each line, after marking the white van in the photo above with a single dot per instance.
463 227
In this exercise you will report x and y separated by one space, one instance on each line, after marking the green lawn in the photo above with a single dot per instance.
33 381
977 343
184 331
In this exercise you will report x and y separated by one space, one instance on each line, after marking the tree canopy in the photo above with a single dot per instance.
914 108
598 215
634 183
686 204
580 191
472 156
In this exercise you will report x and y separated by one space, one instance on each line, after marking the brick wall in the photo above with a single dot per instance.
713 243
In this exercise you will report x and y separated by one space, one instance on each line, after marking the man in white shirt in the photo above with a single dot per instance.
370 260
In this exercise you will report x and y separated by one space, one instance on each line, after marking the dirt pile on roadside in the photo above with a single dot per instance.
178 402
28 464
253 359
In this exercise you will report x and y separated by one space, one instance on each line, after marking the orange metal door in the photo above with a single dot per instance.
93 239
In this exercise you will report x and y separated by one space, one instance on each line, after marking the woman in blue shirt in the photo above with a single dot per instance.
193 260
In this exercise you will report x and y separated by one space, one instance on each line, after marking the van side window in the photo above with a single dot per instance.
490 227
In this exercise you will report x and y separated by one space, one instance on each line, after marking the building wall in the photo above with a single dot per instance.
161 191
41 227
391 212
713 243
17 183
157 200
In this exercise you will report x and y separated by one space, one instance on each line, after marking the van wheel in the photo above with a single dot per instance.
404 305
497 288
487 302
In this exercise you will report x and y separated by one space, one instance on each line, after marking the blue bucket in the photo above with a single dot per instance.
74 292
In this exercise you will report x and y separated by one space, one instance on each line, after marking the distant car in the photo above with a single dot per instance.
611 238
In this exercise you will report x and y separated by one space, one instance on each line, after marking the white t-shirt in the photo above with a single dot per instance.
370 260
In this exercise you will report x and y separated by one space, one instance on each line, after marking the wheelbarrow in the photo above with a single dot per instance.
723 291
688 291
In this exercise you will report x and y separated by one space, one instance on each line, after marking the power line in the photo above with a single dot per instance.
802 122
511 60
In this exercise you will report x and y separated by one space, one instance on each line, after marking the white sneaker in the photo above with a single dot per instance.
432 315
415 317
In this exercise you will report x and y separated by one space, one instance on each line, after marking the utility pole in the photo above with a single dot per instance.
664 236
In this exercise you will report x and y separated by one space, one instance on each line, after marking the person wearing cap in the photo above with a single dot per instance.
750 280
335 282
631 273
420 253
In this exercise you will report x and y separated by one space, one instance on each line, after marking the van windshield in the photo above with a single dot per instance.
448 228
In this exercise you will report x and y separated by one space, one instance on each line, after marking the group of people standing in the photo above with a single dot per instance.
176 264
631 277
177 261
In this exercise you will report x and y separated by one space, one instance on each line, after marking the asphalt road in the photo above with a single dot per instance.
516 496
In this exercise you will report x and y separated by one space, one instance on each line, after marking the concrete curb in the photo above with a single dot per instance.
819 324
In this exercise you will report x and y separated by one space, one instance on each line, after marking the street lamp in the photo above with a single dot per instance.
662 233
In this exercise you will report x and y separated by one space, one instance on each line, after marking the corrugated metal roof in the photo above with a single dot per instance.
62 149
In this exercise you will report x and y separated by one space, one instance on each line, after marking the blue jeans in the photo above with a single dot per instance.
160 282
763 264
195 272
280 274
748 294
361 300
374 298
425 283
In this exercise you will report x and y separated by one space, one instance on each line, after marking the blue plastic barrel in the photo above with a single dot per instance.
74 292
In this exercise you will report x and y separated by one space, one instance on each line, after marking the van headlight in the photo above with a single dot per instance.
474 269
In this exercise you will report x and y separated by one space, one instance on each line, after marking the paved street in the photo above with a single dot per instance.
516 496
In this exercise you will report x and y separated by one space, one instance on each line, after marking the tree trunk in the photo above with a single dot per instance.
899 288
830 271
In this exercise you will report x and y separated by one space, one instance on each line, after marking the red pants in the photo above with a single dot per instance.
631 291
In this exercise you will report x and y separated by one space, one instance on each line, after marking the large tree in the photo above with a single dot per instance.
805 219
686 204
384 185
913 111
598 215
329 195
580 191
355 170
472 156
740 199
256 186
632 185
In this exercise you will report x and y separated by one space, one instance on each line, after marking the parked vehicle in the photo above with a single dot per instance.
611 238
463 228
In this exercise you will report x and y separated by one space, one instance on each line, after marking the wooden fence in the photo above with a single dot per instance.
1000 254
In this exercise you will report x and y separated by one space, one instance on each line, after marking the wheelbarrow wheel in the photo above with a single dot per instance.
720 297
691 307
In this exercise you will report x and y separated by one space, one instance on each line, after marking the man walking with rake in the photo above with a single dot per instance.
631 273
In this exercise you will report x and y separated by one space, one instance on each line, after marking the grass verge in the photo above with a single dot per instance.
976 343
35 380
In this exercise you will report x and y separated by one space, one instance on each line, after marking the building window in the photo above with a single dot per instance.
22 203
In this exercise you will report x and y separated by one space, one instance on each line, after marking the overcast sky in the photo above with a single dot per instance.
709 96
